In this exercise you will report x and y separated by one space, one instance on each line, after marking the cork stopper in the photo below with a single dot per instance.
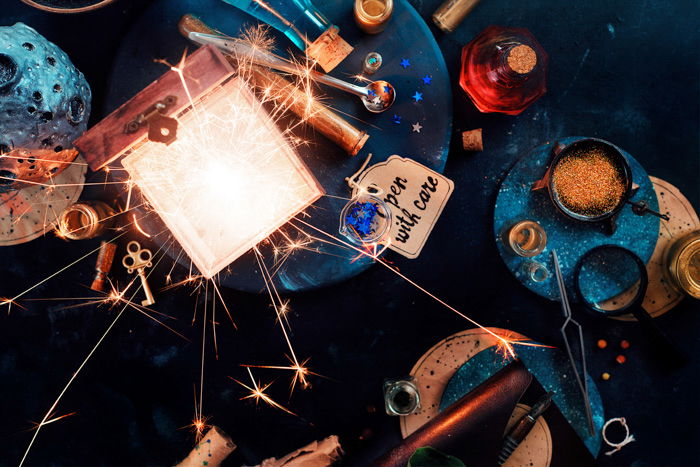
472 140
522 59
329 49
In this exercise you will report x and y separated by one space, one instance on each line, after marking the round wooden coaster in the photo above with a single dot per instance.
30 212
435 369
661 296
536 448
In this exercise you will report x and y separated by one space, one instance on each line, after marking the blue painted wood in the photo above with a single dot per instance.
572 239
407 36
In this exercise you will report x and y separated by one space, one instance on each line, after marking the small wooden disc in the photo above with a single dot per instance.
30 212
661 296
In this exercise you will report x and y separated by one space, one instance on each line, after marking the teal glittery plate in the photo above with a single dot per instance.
572 239
552 370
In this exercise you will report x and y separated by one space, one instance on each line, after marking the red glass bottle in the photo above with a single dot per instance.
503 70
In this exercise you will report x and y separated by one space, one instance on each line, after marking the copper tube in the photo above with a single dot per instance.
452 12
321 118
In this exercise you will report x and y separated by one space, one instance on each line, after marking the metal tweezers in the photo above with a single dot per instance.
581 379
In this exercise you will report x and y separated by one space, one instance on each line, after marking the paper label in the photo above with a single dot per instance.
416 196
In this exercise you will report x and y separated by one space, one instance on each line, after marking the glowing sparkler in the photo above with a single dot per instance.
227 183
257 393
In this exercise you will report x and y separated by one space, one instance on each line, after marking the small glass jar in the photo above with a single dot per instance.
365 220
372 16
85 220
535 271
401 396
371 63
682 262
526 238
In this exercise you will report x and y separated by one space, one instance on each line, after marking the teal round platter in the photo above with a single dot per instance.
552 370
570 238
411 61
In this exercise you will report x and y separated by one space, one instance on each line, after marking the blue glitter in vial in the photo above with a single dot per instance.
361 217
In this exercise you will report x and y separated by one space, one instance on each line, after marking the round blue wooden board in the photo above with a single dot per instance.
572 239
155 35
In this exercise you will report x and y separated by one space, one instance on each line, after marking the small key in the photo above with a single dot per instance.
138 259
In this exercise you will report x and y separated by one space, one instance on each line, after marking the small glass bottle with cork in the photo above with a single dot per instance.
503 70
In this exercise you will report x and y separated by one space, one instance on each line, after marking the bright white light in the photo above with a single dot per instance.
227 182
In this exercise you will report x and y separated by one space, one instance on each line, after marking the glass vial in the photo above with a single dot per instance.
304 24
503 70
365 220
372 16
401 396
371 63
526 238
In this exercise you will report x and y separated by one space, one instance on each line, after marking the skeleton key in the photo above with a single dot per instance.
138 259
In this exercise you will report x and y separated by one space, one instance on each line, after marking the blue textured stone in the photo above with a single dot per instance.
44 99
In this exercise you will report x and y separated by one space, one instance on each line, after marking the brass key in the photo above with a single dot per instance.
138 259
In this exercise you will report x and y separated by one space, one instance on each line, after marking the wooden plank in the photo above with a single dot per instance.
105 142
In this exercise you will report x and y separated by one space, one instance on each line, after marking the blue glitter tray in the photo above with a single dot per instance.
554 373
572 239
411 61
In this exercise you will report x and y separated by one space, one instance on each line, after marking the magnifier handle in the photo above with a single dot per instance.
662 343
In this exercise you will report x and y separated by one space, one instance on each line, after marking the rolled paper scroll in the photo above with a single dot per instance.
211 450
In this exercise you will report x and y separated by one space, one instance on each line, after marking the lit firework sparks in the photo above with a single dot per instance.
256 159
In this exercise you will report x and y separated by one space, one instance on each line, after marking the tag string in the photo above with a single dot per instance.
352 180
628 437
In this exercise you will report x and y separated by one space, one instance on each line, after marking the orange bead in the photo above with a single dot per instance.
605 376
625 344
620 359
602 343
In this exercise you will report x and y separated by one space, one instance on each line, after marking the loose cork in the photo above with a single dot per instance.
472 140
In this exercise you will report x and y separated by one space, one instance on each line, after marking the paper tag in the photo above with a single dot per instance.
416 196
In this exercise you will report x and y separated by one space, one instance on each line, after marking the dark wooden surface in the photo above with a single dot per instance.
623 70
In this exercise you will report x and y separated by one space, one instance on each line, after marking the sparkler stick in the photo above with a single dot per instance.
306 106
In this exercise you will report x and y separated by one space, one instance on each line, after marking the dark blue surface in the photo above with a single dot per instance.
406 37
622 70
572 239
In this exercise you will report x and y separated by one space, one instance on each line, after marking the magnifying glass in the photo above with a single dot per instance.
612 281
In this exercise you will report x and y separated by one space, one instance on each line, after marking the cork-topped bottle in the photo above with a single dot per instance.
503 70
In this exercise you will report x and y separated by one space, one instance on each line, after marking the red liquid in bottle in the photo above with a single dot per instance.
503 70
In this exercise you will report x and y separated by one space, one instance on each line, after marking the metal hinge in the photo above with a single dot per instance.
161 128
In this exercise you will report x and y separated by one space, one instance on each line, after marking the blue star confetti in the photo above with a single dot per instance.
371 92
396 119
427 79
361 218
418 96
387 89
405 63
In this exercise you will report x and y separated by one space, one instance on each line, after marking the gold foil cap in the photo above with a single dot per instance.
329 49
